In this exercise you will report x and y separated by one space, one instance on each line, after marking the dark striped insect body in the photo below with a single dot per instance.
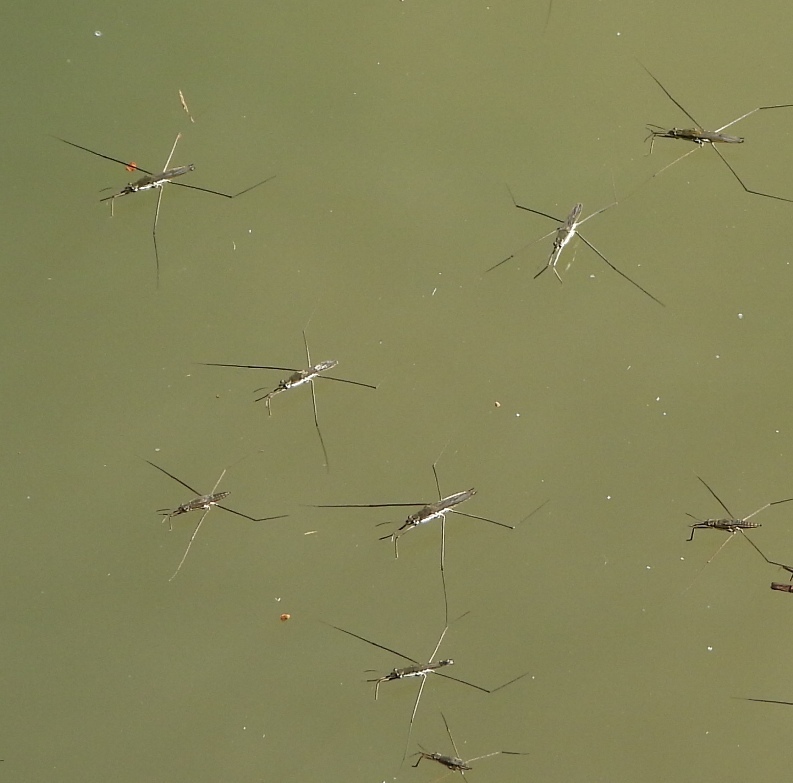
785 587
202 503
151 181
417 670
696 135
699 136
450 762
729 525
432 511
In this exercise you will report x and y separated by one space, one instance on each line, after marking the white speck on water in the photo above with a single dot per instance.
98 33
648 567
718 356
517 415
740 316
608 497
710 649
433 291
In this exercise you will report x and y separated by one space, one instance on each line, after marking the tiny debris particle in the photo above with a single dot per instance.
285 617
497 404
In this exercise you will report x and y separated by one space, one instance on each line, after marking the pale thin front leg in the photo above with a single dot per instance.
412 718
154 233
316 424
190 543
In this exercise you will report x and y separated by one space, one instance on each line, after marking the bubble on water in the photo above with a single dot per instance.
98 33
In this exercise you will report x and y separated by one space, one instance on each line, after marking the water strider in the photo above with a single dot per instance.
201 503
699 136
729 524
417 669
456 763
157 181
567 229
427 513
298 378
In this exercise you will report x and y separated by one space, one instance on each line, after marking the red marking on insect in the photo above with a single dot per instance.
131 166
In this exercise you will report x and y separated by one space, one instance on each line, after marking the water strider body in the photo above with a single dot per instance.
298 378
785 587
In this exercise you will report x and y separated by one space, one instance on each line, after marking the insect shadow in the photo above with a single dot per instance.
201 503
700 137
566 230
456 763
152 181
417 669
298 378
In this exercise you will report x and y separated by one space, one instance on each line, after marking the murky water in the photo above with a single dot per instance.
394 130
